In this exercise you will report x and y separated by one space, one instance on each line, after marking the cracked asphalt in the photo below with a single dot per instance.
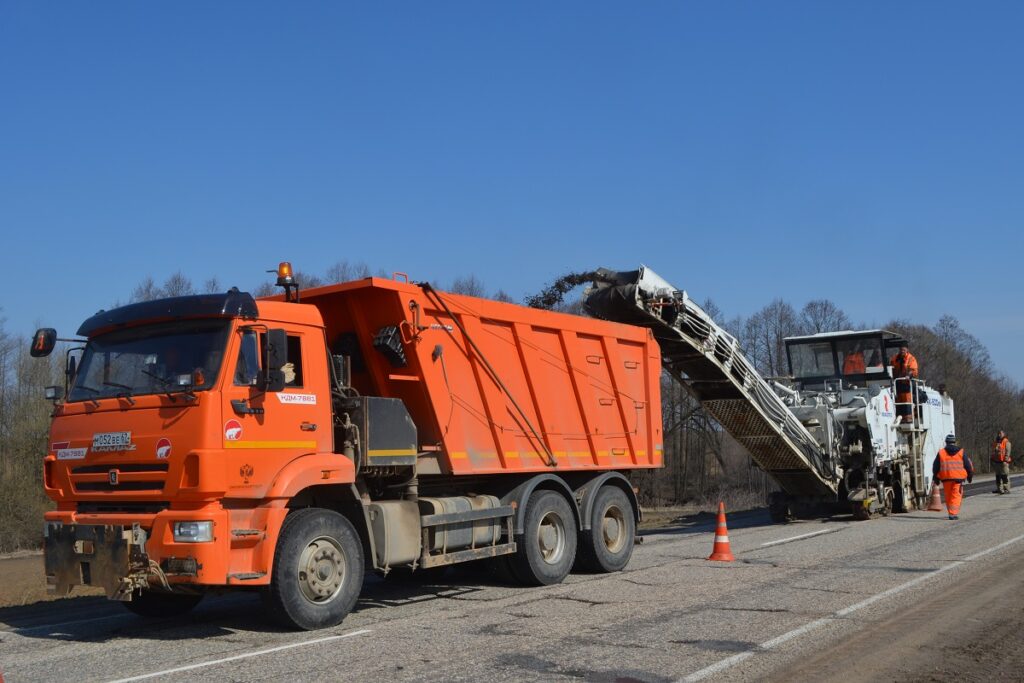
669 616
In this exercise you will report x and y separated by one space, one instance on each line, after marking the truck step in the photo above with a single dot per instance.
246 532
246 576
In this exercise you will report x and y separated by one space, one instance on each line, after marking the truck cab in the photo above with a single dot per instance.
850 359
179 440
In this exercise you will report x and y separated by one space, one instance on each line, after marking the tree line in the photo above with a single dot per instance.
702 463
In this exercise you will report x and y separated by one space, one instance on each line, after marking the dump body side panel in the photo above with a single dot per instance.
496 387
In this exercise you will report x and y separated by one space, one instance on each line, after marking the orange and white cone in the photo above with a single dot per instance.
721 552
935 504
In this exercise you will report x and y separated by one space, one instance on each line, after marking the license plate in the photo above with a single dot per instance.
112 441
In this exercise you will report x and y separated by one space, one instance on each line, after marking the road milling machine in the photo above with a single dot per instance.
832 435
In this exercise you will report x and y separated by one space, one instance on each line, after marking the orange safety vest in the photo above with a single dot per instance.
999 450
951 467
905 367
853 364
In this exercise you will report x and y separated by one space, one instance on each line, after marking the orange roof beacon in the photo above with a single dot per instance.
219 441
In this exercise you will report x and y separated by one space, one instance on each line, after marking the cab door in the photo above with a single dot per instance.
262 431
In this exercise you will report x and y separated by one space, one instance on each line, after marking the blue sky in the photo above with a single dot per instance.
870 153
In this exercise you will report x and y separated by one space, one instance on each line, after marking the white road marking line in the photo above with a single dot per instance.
246 655
724 664
797 538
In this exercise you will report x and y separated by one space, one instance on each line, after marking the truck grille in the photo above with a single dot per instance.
130 477
122 506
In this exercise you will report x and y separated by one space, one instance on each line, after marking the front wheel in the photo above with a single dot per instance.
548 544
318 570
152 603
608 544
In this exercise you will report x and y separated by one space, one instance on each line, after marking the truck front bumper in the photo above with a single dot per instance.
110 556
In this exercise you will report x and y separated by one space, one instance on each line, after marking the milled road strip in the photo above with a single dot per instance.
728 662
800 537
246 655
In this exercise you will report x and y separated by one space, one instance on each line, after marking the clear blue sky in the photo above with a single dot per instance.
870 153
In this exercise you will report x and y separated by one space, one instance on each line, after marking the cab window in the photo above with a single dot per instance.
813 359
293 368
249 353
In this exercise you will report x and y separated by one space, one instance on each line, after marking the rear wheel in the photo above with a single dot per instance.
318 570
548 545
608 544
147 603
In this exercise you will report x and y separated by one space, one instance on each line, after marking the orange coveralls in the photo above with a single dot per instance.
903 368
952 468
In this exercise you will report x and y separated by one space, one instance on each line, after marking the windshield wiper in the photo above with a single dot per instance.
163 380
127 394
95 403
167 383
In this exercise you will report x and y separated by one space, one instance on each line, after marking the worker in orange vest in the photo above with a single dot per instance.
952 467
853 363
904 368
1001 462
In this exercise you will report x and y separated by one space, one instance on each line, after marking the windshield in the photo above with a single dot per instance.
860 356
152 359
812 359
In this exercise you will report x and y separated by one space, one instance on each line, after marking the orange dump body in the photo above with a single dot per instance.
496 387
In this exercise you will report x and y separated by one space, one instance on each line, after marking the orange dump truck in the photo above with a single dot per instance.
288 444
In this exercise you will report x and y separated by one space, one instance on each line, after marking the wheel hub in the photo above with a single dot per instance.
551 538
321 570
613 528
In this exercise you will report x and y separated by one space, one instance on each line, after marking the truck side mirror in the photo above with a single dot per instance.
275 357
43 342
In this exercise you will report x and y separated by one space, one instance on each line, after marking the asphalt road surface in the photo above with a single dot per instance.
908 597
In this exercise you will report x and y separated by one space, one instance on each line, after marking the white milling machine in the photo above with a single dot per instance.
829 438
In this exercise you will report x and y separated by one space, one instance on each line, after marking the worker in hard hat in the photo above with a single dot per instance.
904 369
1001 462
952 467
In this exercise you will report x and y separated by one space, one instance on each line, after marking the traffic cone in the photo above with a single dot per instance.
721 552
935 504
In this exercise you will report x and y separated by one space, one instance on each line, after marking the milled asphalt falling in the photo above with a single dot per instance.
670 614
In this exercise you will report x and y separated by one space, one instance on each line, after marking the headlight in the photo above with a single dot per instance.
193 532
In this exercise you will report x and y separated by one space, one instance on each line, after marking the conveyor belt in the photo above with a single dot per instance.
708 361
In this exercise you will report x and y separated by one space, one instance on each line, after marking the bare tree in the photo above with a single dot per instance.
212 285
264 289
763 336
821 315
469 285
178 285
344 271
147 290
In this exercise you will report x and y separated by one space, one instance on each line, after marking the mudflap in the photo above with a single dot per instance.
111 557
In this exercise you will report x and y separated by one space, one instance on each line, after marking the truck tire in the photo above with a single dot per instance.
147 603
318 570
547 548
608 544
